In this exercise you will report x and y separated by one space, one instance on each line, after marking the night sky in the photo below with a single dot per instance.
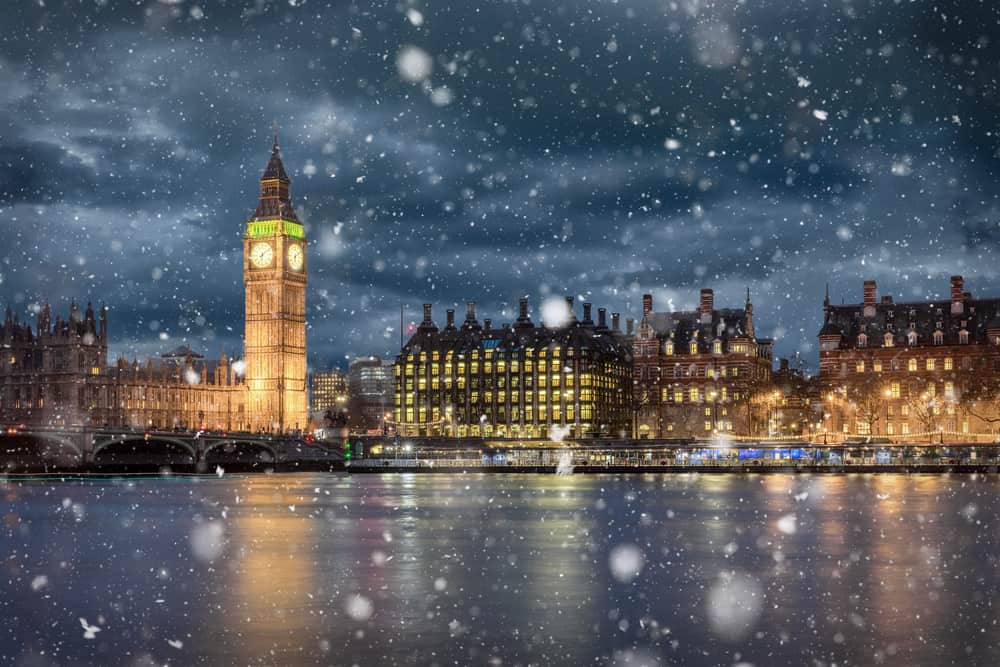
487 150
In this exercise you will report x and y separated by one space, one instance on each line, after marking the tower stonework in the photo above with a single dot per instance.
274 275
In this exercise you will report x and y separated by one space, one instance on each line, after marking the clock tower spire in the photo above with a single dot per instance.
274 277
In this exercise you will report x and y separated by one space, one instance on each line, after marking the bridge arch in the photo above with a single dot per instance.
136 449
239 451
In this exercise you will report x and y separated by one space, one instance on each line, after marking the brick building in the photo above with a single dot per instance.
909 370
700 372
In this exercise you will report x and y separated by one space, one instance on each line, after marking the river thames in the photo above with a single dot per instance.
490 569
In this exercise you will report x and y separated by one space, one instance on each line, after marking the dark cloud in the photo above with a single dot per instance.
598 149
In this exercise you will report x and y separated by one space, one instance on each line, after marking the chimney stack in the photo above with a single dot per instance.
957 296
586 313
647 304
629 326
870 298
707 305
616 321
602 318
470 311
451 317
522 309
427 313
487 324
569 308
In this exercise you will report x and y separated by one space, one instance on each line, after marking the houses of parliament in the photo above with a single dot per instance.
57 373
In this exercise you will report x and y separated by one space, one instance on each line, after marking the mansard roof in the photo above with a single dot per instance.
471 335
923 317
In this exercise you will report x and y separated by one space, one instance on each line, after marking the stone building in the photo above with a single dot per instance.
514 381
700 373
59 375
911 370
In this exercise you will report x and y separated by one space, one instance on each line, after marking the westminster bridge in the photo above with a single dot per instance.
23 447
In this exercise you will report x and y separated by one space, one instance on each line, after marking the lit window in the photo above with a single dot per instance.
717 347
693 347
948 365
668 349
931 365
887 340
894 390
911 365
877 366
860 367
678 396
693 394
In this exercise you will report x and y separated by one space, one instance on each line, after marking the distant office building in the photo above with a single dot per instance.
328 390
911 370
520 381
700 372
370 389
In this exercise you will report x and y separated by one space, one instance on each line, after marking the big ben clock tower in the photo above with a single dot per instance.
274 274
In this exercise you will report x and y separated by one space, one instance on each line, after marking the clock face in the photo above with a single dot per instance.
261 254
295 257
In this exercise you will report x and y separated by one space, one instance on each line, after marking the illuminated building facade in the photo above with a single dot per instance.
516 381
699 373
328 392
58 374
274 274
911 369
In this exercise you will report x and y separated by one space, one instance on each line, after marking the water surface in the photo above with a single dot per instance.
489 569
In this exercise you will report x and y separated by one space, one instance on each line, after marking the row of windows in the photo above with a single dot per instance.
525 353
889 339
691 370
696 395
502 367
913 365
527 413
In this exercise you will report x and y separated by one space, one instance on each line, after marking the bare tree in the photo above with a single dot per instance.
980 398
868 397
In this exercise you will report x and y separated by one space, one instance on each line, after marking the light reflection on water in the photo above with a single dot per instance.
502 569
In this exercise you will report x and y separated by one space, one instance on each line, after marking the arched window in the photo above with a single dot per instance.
887 339
911 338
863 340
963 337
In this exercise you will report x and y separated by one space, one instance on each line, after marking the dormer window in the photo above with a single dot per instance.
693 347
911 338
668 349
938 337
887 340
963 337
717 347
863 340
